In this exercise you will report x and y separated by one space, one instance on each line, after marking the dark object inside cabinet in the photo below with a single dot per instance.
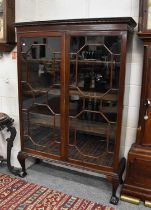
71 82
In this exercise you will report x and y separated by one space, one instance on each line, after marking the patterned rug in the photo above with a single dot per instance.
17 194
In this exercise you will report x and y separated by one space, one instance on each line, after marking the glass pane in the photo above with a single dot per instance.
149 15
40 87
93 90
1 20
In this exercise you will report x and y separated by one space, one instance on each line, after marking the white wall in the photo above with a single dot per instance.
9 99
33 10
30 10
133 82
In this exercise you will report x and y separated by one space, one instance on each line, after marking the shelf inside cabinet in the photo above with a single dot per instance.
84 94
90 127
39 91
109 109
45 120
93 62
84 61
96 95
42 61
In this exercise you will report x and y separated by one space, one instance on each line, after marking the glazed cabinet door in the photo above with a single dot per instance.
96 80
40 86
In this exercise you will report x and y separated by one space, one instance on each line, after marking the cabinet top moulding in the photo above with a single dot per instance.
116 23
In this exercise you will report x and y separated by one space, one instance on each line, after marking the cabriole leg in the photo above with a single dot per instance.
21 158
114 199
116 181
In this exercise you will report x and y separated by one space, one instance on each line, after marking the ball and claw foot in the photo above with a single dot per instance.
18 172
3 162
114 200
22 174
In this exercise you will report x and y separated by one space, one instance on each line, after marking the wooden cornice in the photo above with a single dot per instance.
115 20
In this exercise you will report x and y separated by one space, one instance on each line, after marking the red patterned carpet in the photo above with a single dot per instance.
17 194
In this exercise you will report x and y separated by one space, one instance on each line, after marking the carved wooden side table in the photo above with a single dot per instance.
7 122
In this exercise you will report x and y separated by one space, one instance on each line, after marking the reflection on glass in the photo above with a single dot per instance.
93 94
149 15
1 20
40 73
